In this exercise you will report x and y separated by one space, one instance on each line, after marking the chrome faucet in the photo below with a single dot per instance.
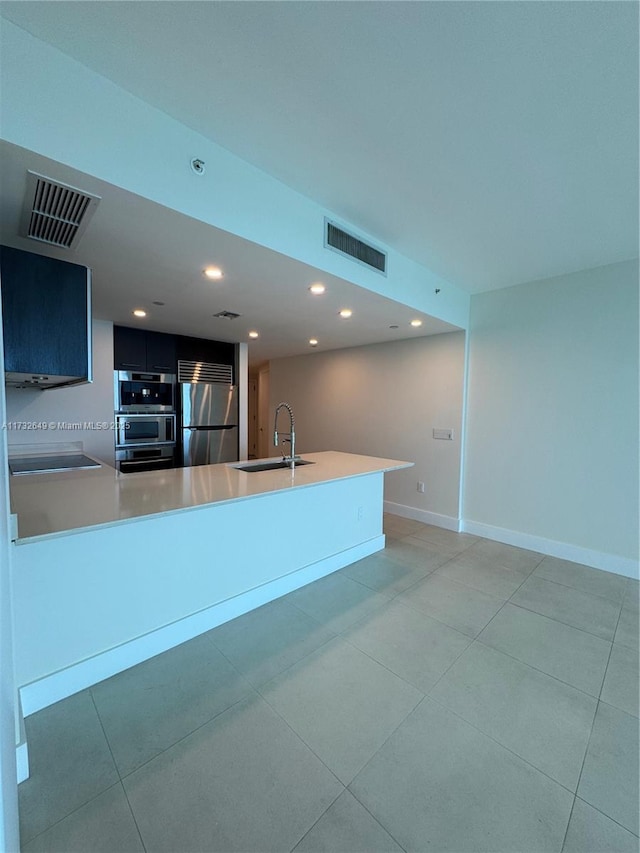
290 436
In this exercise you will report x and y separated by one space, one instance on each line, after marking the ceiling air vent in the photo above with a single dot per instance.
347 244
200 371
56 213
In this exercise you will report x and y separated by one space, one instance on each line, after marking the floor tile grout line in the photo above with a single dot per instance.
606 669
304 834
369 812
560 621
617 822
133 815
586 751
486 645
388 600
462 584
493 561
566 831
422 612
72 812
399 592
282 599
188 735
435 546
250 688
115 764
619 710
344 639
104 732
304 743
477 589
473 641
286 669
486 563
384 666
299 736
578 589
346 789
497 742
256 687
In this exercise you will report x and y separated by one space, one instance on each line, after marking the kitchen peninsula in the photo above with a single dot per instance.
110 569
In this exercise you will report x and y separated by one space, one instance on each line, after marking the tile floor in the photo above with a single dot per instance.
447 694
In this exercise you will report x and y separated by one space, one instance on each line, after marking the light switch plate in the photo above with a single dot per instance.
443 433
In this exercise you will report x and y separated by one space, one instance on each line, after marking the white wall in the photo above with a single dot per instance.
9 840
92 403
383 400
552 415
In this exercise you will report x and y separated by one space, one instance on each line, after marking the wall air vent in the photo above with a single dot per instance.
200 371
55 213
227 315
348 244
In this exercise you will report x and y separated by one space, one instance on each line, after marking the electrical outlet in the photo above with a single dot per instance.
421 487
447 434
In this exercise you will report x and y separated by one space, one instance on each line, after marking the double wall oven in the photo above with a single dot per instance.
145 421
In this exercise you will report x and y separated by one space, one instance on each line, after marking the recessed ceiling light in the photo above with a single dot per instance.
313 342
254 335
416 323
346 312
139 312
317 288
213 272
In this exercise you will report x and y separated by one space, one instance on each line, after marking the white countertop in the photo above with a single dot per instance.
66 502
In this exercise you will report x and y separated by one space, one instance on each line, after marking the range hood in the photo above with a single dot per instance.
46 315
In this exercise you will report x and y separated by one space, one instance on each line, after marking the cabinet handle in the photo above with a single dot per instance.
161 367
126 364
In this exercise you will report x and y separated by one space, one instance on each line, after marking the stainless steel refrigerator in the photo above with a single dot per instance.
209 422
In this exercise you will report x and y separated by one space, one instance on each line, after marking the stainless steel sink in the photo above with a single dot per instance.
269 466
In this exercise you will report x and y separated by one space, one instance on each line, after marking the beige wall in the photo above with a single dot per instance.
383 400
92 403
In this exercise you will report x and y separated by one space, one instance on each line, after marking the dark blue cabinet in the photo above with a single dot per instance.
46 319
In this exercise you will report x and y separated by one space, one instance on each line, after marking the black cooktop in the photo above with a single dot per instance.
48 464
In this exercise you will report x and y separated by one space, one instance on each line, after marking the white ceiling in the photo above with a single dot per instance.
494 142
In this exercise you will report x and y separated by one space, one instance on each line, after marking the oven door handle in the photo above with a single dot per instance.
132 462
122 431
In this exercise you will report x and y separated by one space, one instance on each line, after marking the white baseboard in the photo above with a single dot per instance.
551 548
22 751
52 688
446 521
22 762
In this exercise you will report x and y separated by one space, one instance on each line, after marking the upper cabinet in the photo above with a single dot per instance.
202 349
155 352
161 352
140 350
46 310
